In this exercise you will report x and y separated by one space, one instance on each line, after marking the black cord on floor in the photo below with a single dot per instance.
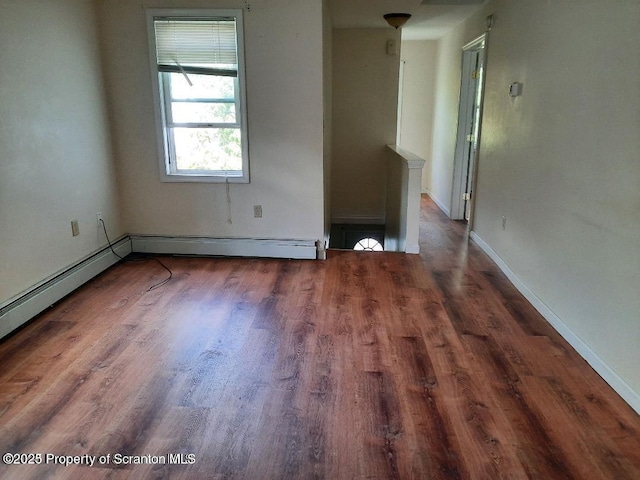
152 287
163 282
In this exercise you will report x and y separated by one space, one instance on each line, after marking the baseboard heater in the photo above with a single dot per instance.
226 247
30 303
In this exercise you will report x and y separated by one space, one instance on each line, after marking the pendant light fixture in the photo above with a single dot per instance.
397 20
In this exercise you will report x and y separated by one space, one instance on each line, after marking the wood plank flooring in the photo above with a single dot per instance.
364 366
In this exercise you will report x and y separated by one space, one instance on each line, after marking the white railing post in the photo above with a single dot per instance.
404 173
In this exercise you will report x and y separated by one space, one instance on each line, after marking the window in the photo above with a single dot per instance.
198 82
369 244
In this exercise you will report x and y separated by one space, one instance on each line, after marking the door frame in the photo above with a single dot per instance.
465 162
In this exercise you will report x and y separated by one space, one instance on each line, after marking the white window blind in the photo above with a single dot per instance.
198 46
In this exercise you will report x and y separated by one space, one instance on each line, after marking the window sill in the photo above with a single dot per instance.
177 178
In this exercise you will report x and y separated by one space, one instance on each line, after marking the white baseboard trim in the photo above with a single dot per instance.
358 219
623 389
31 302
412 248
227 247
440 205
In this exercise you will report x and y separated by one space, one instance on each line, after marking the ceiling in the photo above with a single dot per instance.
430 18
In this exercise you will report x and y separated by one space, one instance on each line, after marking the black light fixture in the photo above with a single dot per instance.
397 19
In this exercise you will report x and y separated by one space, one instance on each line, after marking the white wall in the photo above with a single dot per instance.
365 97
55 162
283 45
327 78
561 163
439 177
418 97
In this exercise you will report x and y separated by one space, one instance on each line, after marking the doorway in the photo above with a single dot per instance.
469 122
357 237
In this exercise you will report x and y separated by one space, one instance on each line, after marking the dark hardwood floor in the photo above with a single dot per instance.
364 366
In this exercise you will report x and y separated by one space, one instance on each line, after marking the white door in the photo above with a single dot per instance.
468 136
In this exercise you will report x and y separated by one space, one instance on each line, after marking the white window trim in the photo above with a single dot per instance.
161 132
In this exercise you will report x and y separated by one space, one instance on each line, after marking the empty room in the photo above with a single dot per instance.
329 239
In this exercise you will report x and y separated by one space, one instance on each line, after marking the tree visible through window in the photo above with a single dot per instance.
208 100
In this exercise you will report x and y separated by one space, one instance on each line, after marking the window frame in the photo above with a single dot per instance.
167 164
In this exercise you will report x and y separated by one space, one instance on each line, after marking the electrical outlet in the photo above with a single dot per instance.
99 219
75 228
257 211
